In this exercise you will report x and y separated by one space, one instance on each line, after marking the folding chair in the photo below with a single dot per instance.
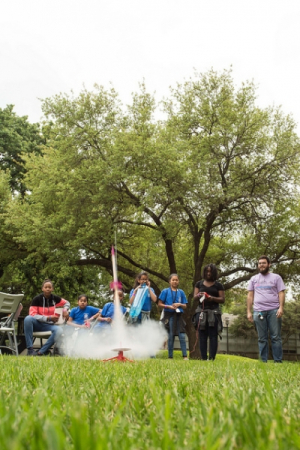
9 304
41 335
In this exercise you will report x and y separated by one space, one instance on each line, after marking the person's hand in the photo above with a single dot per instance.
108 319
206 295
250 317
54 319
176 305
65 314
279 312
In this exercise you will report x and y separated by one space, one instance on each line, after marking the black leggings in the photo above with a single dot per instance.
212 334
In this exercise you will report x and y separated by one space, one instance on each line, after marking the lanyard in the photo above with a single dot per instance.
173 297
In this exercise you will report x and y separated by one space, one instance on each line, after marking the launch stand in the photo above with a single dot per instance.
120 356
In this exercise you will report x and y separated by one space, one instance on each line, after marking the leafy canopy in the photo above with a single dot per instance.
216 181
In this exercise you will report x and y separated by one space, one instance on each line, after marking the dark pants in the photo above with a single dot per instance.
212 334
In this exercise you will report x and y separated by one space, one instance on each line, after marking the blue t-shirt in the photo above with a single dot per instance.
108 311
168 297
147 302
77 314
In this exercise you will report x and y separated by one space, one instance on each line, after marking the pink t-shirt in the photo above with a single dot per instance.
266 289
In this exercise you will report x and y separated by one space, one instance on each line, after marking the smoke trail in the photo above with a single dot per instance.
144 340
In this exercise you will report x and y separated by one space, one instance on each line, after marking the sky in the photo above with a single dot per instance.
49 47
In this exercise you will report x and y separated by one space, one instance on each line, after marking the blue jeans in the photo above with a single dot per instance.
269 324
172 337
31 324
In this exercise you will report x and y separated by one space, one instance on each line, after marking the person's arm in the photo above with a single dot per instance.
94 313
101 316
104 319
183 303
133 294
151 292
219 299
163 306
152 295
66 308
74 324
196 292
95 316
179 305
250 298
34 311
281 296
63 304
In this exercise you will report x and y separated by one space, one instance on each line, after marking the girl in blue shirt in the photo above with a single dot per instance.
173 301
142 279
80 315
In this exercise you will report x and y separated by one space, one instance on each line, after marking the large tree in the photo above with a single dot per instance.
18 137
216 181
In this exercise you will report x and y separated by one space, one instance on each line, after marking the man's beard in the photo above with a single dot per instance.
264 271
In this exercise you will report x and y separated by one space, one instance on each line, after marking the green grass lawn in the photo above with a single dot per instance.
231 403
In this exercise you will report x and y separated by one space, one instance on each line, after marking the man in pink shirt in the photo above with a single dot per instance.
266 293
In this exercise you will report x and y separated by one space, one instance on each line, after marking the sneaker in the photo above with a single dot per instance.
31 352
47 353
185 358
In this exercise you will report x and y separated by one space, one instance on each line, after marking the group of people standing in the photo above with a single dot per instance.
266 292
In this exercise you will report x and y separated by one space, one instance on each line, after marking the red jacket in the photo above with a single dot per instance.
42 307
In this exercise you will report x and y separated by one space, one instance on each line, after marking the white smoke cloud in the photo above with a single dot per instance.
143 340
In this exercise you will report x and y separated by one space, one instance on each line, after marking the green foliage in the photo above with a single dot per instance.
17 138
241 327
10 251
291 318
155 404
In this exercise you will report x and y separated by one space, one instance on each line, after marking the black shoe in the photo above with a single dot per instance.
31 352
47 353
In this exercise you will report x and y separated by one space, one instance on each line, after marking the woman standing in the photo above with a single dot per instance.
210 314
